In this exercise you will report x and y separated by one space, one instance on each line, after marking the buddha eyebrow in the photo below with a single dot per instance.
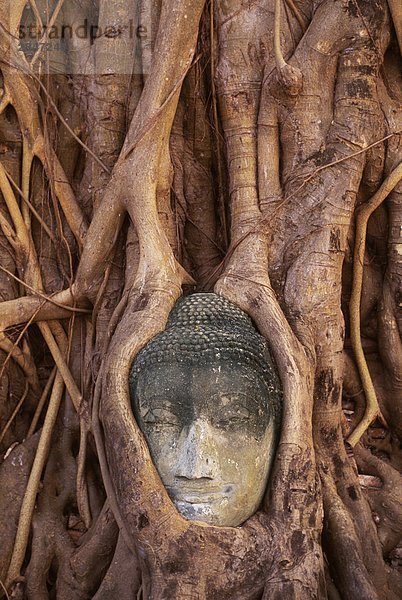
170 401
247 401
160 399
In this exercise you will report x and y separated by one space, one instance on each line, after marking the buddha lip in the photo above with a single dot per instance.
198 497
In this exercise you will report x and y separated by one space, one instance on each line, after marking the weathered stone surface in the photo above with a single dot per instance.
207 398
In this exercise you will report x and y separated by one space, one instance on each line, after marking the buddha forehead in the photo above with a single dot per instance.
218 391
209 353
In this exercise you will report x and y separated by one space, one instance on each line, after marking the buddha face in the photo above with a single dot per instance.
210 434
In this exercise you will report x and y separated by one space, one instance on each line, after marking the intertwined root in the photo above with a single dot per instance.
289 164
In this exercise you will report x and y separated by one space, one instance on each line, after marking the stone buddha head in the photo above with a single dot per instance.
207 398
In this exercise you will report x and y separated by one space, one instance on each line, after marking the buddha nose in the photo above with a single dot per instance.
197 453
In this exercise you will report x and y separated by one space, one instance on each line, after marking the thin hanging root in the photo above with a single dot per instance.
280 61
48 29
31 207
46 298
104 467
4 102
41 403
61 364
222 214
8 231
28 364
27 250
3 587
372 409
290 77
22 95
82 488
62 189
36 13
14 209
67 126
58 359
28 503
15 411
298 14
22 359
27 160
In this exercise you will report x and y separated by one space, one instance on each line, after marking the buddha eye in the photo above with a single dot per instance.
160 417
235 416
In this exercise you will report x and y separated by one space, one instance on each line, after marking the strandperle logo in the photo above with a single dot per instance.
84 31
53 45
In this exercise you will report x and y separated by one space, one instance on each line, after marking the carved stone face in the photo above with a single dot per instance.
211 435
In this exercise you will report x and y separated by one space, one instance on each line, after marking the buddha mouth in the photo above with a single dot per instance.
201 497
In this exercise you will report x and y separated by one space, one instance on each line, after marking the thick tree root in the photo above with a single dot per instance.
287 241
385 501
372 409
29 501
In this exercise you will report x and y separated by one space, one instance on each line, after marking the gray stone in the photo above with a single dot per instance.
207 397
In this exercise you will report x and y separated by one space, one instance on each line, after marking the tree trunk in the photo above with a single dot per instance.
151 149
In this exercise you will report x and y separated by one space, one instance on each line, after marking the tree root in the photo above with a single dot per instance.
25 250
289 76
22 358
14 474
372 409
28 503
86 571
124 570
15 411
41 403
82 489
385 502
396 12
278 551
353 579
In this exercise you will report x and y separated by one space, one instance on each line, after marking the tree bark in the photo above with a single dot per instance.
249 148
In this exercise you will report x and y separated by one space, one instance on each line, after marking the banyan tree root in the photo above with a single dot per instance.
372 409
29 500
14 475
284 267
145 522
385 500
